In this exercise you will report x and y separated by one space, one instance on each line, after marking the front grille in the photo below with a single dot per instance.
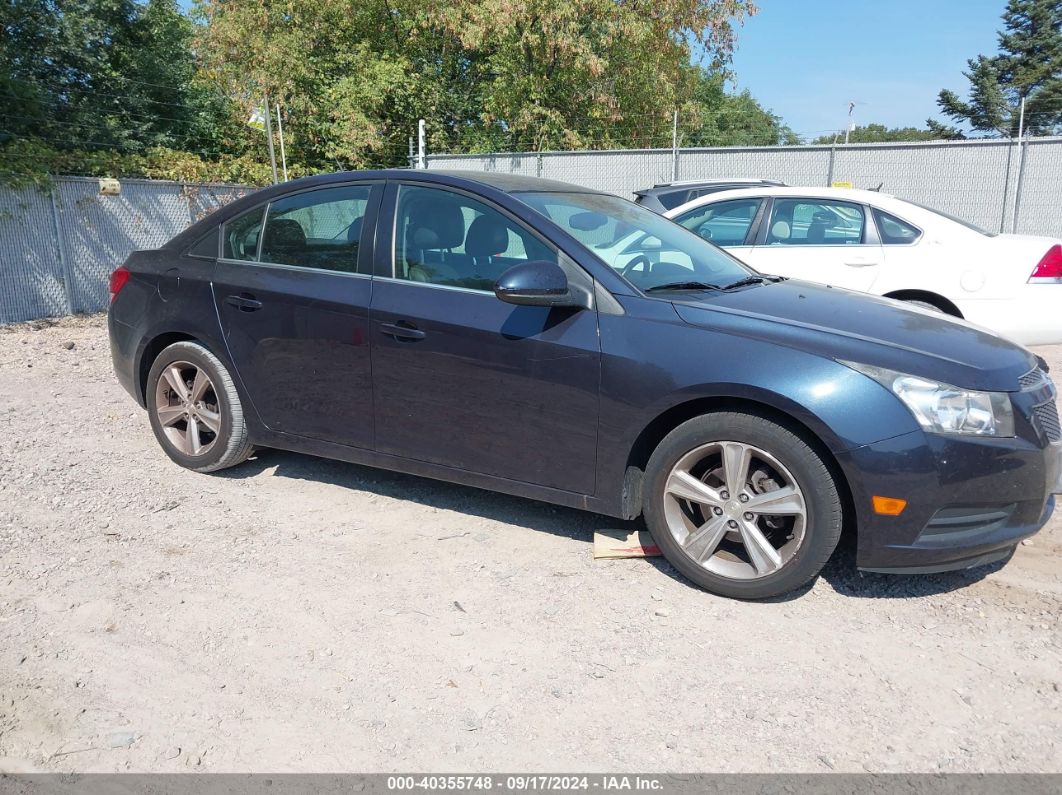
1045 416
1032 378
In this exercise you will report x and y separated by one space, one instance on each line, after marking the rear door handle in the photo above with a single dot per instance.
402 330
861 263
244 302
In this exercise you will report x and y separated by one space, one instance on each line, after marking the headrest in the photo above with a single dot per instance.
354 230
442 219
487 236
780 230
283 233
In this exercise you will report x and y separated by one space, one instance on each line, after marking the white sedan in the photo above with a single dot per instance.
876 243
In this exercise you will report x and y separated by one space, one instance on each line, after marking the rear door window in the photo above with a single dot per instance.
318 229
815 222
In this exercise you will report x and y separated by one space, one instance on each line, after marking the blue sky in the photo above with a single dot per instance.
806 60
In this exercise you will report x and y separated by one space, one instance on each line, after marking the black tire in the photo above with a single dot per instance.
231 445
824 513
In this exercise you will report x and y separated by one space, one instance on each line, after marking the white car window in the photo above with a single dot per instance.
814 222
724 223
893 231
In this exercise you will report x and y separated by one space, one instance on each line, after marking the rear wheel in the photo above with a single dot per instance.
195 410
742 506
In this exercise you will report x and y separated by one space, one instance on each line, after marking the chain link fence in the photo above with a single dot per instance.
58 245
978 181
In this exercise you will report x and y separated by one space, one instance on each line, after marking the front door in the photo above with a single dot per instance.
461 378
292 292
820 240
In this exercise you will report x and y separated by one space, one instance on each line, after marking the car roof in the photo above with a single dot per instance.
507 183
692 183
847 194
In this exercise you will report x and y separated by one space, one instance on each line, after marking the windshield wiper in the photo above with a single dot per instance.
682 286
744 282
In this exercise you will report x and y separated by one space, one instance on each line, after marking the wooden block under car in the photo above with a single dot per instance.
624 544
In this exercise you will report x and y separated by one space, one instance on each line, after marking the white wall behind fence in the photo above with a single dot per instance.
975 180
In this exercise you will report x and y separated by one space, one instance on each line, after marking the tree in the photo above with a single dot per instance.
712 117
1028 66
93 74
487 74
879 133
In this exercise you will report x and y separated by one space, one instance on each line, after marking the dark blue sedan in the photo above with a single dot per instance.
486 329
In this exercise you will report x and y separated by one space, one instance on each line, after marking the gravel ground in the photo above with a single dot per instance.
297 614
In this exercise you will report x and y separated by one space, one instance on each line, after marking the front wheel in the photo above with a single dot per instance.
742 506
195 410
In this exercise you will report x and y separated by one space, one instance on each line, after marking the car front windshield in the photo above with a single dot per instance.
646 249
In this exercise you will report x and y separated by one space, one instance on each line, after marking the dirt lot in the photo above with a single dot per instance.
304 615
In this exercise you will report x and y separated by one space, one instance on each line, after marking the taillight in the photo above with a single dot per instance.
118 280
1050 267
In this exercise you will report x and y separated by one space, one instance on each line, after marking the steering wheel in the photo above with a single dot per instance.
638 260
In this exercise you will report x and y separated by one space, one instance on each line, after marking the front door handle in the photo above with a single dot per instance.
402 330
861 263
245 302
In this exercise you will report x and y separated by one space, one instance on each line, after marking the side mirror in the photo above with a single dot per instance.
537 283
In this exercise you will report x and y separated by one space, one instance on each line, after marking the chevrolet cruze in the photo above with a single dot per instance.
485 329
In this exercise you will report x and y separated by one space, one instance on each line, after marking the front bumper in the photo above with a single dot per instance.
969 500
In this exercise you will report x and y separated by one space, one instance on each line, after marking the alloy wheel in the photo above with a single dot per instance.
187 408
735 510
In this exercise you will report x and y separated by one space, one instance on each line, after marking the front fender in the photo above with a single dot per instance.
652 372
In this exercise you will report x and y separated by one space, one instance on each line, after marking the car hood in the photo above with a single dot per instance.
856 327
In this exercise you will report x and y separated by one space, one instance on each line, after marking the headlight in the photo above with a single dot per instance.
942 408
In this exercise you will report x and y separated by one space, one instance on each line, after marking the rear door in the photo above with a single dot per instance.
463 379
292 292
822 240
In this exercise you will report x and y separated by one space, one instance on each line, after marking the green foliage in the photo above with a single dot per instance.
712 117
105 73
1028 66
879 133
488 74
30 162
137 88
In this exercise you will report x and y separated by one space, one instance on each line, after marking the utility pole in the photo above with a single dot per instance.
674 147
283 157
422 144
848 129
269 137
412 161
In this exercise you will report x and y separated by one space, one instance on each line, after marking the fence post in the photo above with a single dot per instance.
64 263
829 170
674 147
1021 183
1006 188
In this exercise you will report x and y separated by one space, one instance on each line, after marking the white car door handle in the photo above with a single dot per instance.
861 263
